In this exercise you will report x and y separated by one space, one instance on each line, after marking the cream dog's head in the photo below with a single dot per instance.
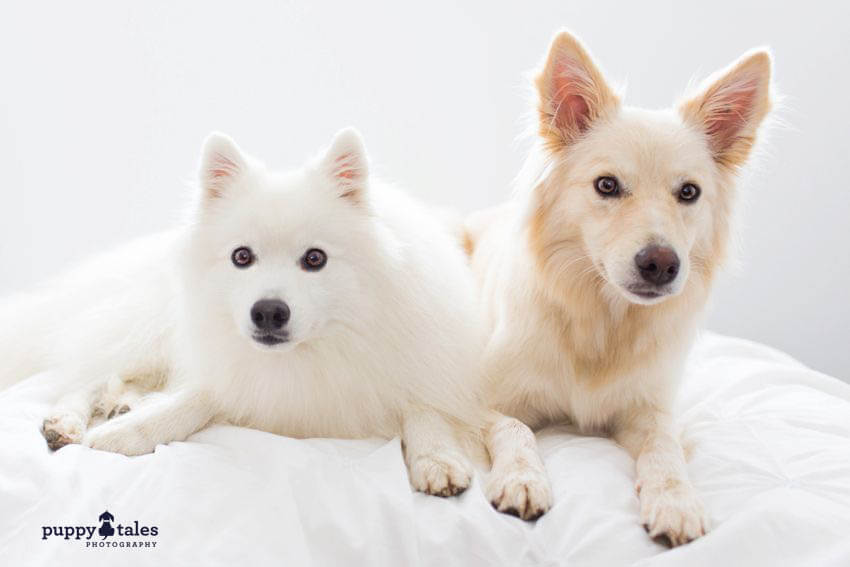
640 198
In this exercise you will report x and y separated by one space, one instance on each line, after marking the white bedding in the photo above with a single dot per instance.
769 444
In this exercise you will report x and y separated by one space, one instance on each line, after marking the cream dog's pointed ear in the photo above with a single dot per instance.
731 106
347 165
573 94
222 163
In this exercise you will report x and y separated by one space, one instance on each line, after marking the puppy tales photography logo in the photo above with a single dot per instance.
108 533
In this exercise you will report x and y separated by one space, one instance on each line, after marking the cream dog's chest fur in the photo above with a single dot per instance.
588 363
548 382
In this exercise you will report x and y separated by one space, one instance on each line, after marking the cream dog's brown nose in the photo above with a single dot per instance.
657 265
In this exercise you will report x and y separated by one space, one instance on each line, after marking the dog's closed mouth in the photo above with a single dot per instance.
269 339
647 293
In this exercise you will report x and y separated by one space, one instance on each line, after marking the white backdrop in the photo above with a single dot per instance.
103 108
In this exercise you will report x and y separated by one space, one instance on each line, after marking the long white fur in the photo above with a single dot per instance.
383 338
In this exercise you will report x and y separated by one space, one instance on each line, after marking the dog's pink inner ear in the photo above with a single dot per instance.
222 166
573 93
349 172
346 167
572 111
727 111
730 109
220 170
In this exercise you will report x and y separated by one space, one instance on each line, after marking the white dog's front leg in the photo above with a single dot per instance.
69 418
669 503
162 418
518 483
435 461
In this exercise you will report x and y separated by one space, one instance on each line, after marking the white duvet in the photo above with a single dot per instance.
768 439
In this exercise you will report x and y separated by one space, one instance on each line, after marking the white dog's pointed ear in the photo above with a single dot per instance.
346 164
573 94
731 106
222 163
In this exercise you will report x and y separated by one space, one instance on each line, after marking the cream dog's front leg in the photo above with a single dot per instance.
669 503
162 418
435 461
518 483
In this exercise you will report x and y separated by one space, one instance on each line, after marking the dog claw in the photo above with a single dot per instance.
440 475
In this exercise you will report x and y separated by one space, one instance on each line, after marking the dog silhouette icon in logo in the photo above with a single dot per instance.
106 528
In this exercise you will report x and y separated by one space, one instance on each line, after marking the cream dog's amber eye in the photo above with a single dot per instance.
314 260
608 186
242 257
689 192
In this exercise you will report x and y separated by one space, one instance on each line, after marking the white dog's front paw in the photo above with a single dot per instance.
672 510
63 429
519 490
440 474
119 437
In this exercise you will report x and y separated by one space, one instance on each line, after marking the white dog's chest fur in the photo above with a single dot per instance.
296 396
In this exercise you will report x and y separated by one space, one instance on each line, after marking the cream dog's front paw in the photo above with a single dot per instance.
440 474
519 490
672 510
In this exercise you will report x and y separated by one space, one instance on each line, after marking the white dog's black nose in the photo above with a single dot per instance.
270 314
657 264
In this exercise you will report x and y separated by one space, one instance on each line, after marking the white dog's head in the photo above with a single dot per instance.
276 255
642 197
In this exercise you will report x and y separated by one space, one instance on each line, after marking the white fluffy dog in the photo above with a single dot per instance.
594 277
306 303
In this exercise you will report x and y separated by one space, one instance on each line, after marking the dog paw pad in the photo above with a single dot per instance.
62 430
118 410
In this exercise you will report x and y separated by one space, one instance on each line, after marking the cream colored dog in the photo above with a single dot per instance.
594 277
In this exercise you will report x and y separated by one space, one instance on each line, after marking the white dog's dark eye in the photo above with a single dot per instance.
314 260
689 192
242 257
607 186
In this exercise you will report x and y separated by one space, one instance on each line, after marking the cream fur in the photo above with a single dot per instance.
569 339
